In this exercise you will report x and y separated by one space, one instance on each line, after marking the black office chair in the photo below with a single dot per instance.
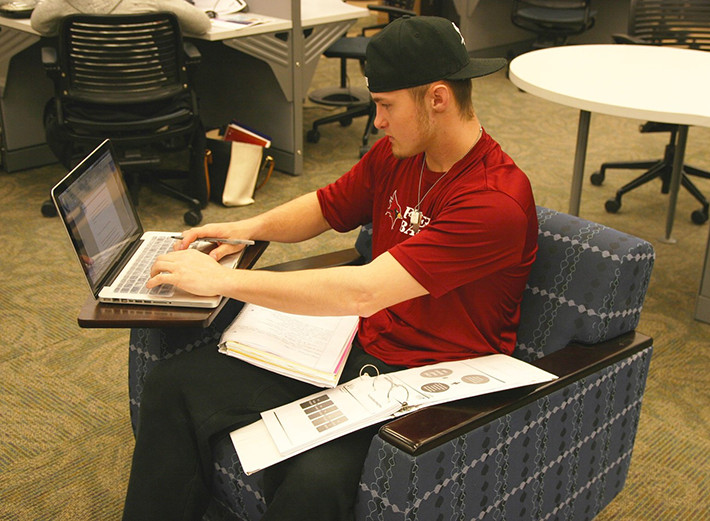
553 21
678 23
356 101
126 78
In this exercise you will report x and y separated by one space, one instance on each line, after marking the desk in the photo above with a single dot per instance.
621 80
280 58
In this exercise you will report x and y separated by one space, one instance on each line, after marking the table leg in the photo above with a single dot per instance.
580 156
676 176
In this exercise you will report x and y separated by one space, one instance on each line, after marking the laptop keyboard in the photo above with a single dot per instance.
133 281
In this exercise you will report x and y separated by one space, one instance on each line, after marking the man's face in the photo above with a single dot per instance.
405 122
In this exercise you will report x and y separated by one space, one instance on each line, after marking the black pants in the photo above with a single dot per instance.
190 401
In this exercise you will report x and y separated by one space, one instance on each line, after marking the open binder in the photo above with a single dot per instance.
311 421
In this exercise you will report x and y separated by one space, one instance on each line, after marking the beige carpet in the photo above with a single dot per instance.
66 440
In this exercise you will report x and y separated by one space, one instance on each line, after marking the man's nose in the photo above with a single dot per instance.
379 120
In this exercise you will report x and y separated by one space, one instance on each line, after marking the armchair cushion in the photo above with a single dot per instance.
587 285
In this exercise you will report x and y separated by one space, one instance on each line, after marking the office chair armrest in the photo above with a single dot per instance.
397 11
192 53
628 39
50 61
348 257
426 429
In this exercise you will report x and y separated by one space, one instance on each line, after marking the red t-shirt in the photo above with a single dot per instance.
473 252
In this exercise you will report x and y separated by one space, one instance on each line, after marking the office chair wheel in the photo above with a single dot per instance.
699 216
346 122
48 209
313 136
597 178
612 205
193 217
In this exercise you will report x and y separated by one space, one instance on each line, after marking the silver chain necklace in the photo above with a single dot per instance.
415 217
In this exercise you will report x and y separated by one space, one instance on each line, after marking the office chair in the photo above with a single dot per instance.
678 23
553 21
126 78
356 101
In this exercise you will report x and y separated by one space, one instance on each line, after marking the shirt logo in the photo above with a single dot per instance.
394 212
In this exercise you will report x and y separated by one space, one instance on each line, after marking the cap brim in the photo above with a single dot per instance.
478 67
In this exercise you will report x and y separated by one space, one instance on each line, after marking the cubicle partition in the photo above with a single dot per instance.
24 90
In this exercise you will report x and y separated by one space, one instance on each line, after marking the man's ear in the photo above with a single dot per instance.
440 96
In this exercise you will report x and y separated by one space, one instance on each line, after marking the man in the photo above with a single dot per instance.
454 237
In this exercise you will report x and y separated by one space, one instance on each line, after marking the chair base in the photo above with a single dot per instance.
656 169
345 118
340 96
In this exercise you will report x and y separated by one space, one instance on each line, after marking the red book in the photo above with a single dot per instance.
236 132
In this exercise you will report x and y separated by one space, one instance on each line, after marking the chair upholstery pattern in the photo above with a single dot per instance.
587 285
563 456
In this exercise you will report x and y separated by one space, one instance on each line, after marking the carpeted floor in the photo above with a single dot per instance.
67 443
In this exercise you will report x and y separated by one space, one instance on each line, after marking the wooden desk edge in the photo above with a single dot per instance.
95 314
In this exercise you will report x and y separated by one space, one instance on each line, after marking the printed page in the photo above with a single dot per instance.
448 381
324 416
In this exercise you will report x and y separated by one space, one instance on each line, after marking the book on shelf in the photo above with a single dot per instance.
370 399
307 348
237 132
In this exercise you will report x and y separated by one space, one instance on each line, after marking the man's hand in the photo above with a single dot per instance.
190 270
219 230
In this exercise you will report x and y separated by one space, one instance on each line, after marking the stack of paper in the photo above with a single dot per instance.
310 349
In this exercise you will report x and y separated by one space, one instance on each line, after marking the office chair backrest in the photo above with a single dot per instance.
678 23
121 58
393 9
399 4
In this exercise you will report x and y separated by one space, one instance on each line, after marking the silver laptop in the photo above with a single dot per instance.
108 238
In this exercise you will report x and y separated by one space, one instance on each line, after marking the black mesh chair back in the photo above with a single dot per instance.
122 60
126 78
678 23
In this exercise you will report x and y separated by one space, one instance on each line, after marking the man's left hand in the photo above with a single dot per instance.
190 270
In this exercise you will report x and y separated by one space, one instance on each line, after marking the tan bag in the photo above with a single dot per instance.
234 169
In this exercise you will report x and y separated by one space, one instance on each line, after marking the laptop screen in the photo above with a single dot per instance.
97 212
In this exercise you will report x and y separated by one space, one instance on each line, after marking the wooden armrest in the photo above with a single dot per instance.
425 429
349 257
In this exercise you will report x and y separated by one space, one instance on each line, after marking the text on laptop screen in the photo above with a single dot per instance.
99 216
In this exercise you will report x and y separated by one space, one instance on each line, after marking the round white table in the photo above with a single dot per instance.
663 84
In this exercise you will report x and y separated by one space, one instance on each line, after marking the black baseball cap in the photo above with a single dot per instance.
418 50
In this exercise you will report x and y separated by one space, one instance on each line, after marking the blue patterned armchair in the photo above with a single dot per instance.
560 450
